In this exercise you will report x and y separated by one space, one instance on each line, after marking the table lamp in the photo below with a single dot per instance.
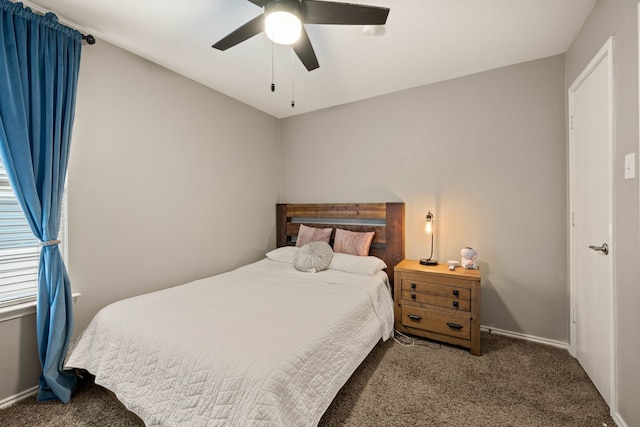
429 230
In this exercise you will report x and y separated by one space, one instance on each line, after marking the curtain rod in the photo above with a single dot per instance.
34 7
88 38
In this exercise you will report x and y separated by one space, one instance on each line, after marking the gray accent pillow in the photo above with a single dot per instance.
313 257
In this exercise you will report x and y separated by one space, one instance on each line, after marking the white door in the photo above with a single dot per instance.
591 266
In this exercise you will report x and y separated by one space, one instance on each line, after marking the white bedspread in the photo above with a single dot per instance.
263 345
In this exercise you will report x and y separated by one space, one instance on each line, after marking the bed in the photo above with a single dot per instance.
263 345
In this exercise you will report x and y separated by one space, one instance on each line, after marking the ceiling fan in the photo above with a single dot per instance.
283 21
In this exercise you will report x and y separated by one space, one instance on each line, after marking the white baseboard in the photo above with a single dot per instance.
18 397
521 336
619 421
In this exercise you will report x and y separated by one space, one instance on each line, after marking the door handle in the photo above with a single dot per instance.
604 248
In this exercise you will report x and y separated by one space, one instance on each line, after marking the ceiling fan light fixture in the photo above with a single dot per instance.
282 23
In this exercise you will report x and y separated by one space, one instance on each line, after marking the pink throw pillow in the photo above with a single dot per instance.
312 234
350 242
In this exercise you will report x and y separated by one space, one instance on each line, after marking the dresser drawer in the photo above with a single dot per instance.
434 321
440 301
436 289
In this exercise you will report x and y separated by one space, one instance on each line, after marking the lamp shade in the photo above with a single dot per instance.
429 227
282 23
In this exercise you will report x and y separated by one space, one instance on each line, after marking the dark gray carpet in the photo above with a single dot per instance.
514 383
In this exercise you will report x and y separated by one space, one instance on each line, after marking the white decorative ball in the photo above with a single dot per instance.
468 253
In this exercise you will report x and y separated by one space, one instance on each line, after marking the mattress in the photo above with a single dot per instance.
262 345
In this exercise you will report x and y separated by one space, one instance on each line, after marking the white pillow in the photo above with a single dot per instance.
313 257
368 265
283 254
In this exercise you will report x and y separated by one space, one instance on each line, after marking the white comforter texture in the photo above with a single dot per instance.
263 345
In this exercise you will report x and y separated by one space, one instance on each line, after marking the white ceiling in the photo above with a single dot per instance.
425 41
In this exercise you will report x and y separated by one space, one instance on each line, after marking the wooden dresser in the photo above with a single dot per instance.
439 304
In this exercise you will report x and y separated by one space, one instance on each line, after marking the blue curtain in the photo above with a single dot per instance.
39 63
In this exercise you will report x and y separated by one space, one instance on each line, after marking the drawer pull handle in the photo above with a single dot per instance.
414 317
455 304
456 293
413 296
413 286
454 325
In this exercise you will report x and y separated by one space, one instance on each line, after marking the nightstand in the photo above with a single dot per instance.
437 303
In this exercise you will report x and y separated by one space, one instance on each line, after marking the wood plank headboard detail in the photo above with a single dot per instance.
386 219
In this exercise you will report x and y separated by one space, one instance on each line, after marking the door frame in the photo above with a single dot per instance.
605 54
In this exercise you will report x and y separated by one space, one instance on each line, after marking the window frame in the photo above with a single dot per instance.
14 258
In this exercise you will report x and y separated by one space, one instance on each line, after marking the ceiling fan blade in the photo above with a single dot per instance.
305 52
325 12
261 3
245 32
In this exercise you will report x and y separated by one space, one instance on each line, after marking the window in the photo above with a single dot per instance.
19 250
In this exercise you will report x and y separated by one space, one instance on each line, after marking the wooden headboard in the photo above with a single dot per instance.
386 219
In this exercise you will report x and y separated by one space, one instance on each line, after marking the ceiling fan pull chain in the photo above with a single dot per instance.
293 102
273 85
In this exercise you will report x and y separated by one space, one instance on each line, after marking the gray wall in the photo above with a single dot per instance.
195 172
19 363
167 184
485 153
620 18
